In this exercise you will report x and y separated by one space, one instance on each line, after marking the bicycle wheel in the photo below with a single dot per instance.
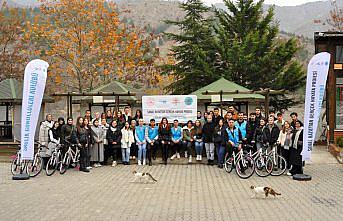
51 166
35 167
263 166
15 166
280 166
228 163
245 167
64 165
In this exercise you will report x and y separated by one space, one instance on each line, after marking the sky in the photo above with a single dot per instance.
276 2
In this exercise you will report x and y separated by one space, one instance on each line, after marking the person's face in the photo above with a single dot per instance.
245 117
109 113
57 124
216 112
97 115
270 120
240 116
49 117
205 115
96 123
138 113
198 114
103 121
127 125
114 123
258 111
140 122
88 113
294 117
253 117
152 123
231 109
221 123
272 114
70 121
229 115
287 125
297 125
119 114
231 123
211 113
81 120
279 117
133 123
189 125
262 123
60 122
127 110
209 118
176 123
197 123
85 121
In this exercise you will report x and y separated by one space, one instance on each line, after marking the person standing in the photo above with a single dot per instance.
187 140
251 127
133 149
54 138
176 139
126 142
198 142
279 121
241 125
88 115
220 140
60 125
96 117
113 137
164 136
89 144
97 153
140 135
258 114
82 142
152 141
109 117
294 117
216 116
104 127
208 133
138 115
120 119
232 110
258 135
270 133
200 118
285 141
127 116
295 157
44 137
233 136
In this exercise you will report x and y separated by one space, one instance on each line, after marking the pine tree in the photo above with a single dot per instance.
251 54
193 52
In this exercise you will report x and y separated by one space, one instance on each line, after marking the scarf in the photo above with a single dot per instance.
297 134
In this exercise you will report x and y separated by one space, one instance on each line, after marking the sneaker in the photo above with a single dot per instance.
200 158
95 165
150 163
99 165
289 174
173 157
114 163
139 163
178 156
131 157
190 159
88 168
144 163
134 157
186 155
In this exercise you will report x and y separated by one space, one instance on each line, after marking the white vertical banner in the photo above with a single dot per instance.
33 91
317 73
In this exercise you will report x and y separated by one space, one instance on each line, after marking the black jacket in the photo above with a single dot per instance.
68 133
251 127
258 135
113 136
295 157
217 119
220 135
271 137
208 132
164 134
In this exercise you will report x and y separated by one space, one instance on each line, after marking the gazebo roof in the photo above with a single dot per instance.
11 90
114 86
225 85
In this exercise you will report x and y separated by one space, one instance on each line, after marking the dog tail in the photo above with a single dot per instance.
151 177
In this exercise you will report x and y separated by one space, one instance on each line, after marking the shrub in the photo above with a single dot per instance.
339 141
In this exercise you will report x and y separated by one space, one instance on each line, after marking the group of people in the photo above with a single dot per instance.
119 135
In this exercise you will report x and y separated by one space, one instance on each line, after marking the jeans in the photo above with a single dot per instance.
188 147
176 147
198 147
209 151
221 153
141 151
125 153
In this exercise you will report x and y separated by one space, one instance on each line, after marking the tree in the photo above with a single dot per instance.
251 54
86 44
12 21
193 53
336 17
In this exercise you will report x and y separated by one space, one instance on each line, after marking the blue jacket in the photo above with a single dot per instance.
242 128
234 137
176 133
152 133
140 133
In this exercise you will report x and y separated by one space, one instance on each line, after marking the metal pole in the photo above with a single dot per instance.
221 103
70 105
266 103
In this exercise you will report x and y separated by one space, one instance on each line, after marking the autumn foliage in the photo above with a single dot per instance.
87 45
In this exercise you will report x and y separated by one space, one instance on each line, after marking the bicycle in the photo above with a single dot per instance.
243 164
32 167
263 162
279 162
70 156
54 161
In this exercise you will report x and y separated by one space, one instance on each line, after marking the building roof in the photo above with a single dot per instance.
11 90
226 86
114 86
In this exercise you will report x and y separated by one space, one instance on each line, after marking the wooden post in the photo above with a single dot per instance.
7 109
266 103
221 103
70 98
331 95
117 103
68 108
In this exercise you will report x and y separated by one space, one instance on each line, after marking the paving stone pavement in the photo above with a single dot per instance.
183 192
